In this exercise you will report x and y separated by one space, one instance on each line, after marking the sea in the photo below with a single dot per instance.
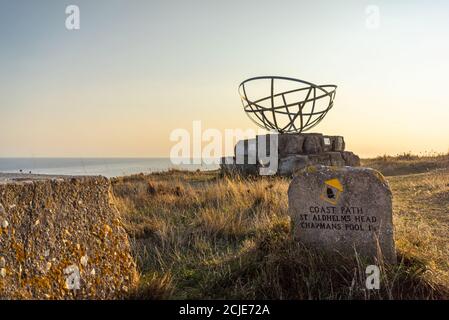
108 167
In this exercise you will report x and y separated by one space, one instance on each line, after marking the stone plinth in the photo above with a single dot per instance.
294 152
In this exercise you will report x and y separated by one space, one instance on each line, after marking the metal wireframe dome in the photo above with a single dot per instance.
292 105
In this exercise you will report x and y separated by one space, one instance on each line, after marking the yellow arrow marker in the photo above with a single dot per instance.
335 183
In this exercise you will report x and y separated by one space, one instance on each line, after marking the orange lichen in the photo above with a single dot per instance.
36 259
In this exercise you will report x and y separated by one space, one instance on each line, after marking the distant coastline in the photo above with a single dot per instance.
108 167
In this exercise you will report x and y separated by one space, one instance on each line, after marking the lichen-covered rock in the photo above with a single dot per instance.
336 159
62 238
351 159
338 143
290 144
313 144
344 210
228 166
320 158
288 165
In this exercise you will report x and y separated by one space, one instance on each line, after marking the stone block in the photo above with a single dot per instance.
320 158
336 159
290 144
351 159
313 144
344 210
338 143
62 238
292 163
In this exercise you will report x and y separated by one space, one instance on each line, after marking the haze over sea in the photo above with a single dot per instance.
108 167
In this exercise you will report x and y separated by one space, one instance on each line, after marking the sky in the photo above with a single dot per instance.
137 70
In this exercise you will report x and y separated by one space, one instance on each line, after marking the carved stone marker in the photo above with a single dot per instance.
343 210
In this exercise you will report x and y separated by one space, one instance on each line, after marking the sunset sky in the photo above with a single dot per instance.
136 70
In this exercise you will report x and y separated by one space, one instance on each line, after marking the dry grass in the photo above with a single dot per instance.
408 163
201 236
421 218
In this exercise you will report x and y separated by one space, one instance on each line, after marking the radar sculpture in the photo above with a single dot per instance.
286 105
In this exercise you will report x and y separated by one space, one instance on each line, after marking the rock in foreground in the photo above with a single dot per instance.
62 238
343 210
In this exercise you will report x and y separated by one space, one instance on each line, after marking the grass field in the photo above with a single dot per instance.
201 236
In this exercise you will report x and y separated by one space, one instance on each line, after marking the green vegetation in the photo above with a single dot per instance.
198 235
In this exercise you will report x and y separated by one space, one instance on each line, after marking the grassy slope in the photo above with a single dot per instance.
407 163
197 235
